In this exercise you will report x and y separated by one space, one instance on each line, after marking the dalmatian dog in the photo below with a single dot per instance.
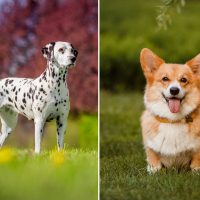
42 99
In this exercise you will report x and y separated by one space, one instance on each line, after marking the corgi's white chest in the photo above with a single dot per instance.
173 139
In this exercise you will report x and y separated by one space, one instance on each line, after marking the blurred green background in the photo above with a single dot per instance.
125 28
128 26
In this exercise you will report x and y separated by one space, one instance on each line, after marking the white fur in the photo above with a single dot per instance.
152 170
181 93
63 58
161 108
173 139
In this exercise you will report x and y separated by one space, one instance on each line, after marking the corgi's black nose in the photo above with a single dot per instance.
174 90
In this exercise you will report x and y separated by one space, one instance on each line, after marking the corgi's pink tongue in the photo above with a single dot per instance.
174 105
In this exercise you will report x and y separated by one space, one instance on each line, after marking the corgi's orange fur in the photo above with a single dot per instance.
171 121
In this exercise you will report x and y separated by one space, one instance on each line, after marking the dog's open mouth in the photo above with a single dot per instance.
174 103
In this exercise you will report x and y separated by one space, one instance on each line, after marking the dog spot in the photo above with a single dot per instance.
39 109
24 100
44 76
9 99
64 78
22 107
43 91
10 81
16 105
6 82
28 95
14 89
25 81
53 74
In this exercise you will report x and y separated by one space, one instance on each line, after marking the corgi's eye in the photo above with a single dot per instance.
183 80
61 50
165 78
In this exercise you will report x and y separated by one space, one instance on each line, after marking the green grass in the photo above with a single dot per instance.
34 177
123 166
71 175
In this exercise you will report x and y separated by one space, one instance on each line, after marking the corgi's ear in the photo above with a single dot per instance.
150 62
195 64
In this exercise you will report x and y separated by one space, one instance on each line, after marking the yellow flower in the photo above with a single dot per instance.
57 157
6 155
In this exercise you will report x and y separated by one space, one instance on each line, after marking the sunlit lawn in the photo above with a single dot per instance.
71 174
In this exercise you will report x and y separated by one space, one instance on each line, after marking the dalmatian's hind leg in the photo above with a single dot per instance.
8 123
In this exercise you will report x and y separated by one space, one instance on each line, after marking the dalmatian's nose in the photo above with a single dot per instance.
73 59
75 52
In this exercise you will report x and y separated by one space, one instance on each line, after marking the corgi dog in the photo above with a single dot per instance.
171 121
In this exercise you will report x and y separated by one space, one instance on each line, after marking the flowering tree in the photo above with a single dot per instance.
26 26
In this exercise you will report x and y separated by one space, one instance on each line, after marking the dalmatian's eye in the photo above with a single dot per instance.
61 50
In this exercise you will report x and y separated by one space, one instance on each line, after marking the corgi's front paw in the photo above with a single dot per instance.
196 169
153 169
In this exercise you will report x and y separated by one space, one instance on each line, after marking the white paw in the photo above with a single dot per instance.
153 169
196 169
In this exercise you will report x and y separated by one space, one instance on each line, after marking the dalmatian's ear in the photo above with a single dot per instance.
47 51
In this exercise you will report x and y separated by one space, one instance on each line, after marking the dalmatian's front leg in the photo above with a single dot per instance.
39 126
61 129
